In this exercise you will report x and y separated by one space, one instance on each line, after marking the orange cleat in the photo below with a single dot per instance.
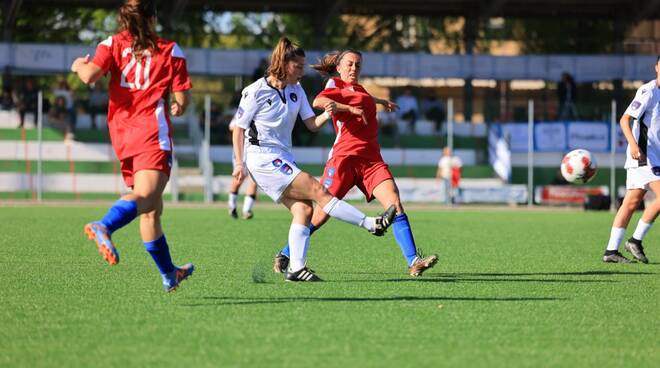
96 231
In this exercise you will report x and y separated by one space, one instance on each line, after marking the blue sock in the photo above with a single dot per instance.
119 215
404 236
285 250
160 252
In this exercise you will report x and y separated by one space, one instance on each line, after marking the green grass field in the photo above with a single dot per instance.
513 288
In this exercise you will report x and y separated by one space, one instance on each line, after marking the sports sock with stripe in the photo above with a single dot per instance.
299 242
616 235
347 213
404 237
286 250
248 202
119 215
231 201
160 253
641 229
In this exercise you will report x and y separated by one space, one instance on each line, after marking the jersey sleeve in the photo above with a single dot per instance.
640 102
306 111
334 94
247 108
180 79
330 84
103 55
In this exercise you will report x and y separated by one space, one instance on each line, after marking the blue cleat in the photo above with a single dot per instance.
172 280
97 231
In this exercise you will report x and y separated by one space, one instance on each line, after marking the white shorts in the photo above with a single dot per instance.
640 177
272 169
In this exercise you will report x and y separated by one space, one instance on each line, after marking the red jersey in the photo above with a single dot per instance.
138 118
354 138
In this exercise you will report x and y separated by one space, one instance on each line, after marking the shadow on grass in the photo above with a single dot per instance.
504 277
227 300
583 273
444 278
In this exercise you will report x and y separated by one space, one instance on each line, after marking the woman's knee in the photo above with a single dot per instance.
633 204
152 215
302 210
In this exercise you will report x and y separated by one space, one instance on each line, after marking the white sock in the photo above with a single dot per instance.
231 202
615 238
248 202
347 213
298 243
641 230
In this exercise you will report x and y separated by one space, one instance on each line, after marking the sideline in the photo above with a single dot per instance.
268 205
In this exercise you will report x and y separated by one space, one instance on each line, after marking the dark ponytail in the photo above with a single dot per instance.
283 52
136 17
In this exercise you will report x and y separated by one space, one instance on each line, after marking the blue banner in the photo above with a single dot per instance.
557 136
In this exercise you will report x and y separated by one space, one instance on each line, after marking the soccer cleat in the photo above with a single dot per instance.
172 280
634 247
248 215
613 256
281 263
97 231
421 264
233 213
303 274
384 221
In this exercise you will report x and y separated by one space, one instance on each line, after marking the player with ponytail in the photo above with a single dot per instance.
262 145
355 158
145 71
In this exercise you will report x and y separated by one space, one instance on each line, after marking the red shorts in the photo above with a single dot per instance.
151 160
342 173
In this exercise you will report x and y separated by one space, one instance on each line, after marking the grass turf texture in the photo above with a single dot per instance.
518 289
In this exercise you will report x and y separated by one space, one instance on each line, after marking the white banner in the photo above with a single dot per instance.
518 134
196 60
584 68
562 137
510 194
550 137
40 57
591 136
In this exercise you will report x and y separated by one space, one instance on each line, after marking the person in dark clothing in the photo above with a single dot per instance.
567 92
27 100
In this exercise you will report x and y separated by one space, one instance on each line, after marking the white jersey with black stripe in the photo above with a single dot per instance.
268 114
645 110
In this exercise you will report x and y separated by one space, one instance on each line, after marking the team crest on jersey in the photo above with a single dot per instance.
286 169
293 97
270 102
656 170
277 162
331 171
327 182
643 91
635 105
239 112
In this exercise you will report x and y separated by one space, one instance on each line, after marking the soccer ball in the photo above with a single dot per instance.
578 166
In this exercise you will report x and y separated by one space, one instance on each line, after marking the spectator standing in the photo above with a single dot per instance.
59 118
7 99
63 90
409 109
449 170
98 102
567 92
27 101
433 110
